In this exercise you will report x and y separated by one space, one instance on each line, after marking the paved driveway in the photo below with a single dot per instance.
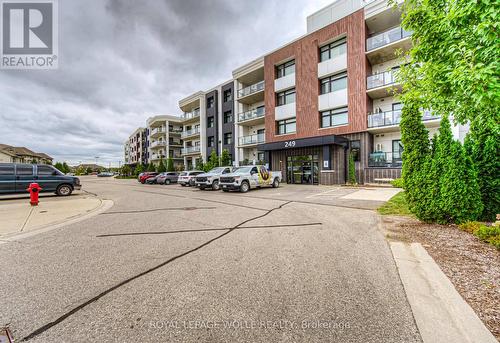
173 264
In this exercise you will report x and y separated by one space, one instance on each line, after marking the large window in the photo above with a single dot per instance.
228 138
211 141
228 117
285 69
228 95
210 102
356 150
286 126
334 117
286 97
333 83
7 170
333 50
210 122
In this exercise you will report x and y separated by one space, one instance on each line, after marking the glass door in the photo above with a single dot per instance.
303 169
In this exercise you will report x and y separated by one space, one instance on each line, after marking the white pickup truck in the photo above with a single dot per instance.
247 177
211 178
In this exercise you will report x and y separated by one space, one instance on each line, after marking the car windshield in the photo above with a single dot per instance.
183 174
243 170
217 170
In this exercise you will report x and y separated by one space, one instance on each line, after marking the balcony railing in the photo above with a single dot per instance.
191 132
158 144
252 139
191 150
157 130
175 130
190 115
385 159
157 156
252 114
394 118
382 79
386 38
172 142
257 87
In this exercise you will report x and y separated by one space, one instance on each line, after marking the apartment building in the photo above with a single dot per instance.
164 139
136 147
208 123
17 154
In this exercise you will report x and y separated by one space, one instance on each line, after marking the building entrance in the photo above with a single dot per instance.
302 169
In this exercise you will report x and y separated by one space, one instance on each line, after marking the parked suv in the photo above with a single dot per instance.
187 178
142 178
15 178
211 179
167 178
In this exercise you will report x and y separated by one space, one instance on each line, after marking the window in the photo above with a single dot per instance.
45 171
228 138
210 122
334 117
356 150
211 141
285 69
6 170
286 126
286 97
254 171
228 95
260 156
333 50
210 102
24 170
333 83
228 117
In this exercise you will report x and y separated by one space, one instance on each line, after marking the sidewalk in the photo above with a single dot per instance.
18 216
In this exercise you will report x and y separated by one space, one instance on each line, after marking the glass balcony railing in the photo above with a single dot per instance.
382 159
157 130
257 87
386 38
175 130
157 156
382 79
158 144
191 150
394 118
189 115
252 114
191 132
252 139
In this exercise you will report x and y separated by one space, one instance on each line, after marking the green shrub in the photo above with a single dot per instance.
470 227
352 170
486 232
495 241
398 183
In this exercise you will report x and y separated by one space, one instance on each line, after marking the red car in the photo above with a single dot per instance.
145 176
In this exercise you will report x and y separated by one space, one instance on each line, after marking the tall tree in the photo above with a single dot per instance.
161 167
170 164
225 158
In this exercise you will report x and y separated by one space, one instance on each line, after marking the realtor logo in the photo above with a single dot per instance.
29 37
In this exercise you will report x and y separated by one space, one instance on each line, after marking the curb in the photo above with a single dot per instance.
105 205
441 314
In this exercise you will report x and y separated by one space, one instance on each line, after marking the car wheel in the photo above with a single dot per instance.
183 184
167 182
215 185
191 183
64 190
276 183
244 187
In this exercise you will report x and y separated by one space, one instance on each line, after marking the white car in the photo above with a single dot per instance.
187 178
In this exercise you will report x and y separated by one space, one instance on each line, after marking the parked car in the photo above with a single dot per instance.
105 174
247 177
145 176
211 179
187 178
167 178
16 177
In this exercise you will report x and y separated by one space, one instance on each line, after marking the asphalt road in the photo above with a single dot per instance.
173 264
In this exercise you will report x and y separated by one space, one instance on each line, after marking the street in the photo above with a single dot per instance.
175 264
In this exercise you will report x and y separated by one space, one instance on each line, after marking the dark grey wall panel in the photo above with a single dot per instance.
228 106
212 113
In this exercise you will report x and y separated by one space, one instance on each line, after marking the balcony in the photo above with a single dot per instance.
190 133
158 144
382 85
176 155
191 150
157 131
382 47
157 156
252 94
187 116
176 130
389 121
174 142
252 116
385 159
252 139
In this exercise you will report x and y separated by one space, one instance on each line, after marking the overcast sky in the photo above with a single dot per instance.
122 61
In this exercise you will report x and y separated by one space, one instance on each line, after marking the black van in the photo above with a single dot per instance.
16 177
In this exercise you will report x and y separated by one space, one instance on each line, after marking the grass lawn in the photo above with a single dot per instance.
397 205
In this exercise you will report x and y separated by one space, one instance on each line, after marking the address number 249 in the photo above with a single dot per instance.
289 144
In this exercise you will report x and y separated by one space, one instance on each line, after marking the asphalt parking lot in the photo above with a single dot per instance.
174 264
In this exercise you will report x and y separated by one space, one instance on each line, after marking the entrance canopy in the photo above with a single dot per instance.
304 142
